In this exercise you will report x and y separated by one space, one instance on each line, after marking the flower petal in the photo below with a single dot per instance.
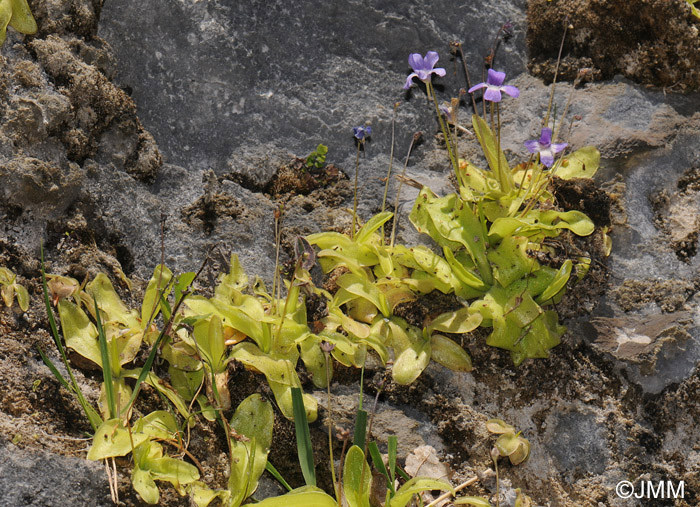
546 137
477 87
557 147
547 158
415 60
492 94
495 78
511 90
409 81
532 146
439 71
431 58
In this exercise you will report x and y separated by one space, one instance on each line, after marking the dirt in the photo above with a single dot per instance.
652 42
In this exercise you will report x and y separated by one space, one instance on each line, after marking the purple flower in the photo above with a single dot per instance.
423 67
544 147
494 87
361 133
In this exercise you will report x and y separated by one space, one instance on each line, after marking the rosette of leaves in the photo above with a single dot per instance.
10 289
263 341
509 443
124 330
372 280
487 234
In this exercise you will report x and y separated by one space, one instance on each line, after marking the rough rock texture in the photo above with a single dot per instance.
652 42
231 93
222 79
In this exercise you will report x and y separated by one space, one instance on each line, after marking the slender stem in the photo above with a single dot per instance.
522 180
556 72
330 428
466 73
496 42
555 134
448 494
498 484
395 225
275 280
445 131
374 411
501 179
391 163
354 201
286 302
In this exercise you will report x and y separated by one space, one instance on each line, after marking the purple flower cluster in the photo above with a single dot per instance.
424 68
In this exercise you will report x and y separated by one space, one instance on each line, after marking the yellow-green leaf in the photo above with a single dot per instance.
364 288
113 439
151 299
110 303
583 163
5 17
449 354
80 334
411 362
22 19
307 496
415 486
281 377
459 321
357 478
558 284
253 419
499 426
22 297
477 501
493 154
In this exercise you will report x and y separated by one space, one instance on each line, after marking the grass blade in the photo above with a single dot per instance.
304 448
379 465
360 428
54 370
392 444
144 371
106 363
273 471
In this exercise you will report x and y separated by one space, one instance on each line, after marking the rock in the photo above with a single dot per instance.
221 81
40 479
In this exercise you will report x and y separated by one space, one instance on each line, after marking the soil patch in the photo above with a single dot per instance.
652 42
